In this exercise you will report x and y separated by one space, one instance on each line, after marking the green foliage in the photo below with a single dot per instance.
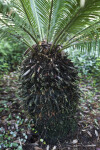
60 22
95 72
87 64
48 79
10 55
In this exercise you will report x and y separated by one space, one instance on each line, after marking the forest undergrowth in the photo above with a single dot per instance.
17 128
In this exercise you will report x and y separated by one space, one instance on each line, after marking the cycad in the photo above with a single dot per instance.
47 27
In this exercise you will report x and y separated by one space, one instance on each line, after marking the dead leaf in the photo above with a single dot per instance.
47 148
96 133
54 148
89 133
27 72
75 141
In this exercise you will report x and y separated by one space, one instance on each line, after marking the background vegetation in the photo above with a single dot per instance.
11 52
89 71
59 25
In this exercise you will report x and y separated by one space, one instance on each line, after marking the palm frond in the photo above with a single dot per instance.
12 17
60 22
83 35
58 14
88 47
26 5
49 19
79 18
8 32
43 11
67 18
34 10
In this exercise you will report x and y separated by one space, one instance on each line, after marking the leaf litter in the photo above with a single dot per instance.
17 129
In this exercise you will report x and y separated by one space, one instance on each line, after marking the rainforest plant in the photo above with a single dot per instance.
49 79
10 55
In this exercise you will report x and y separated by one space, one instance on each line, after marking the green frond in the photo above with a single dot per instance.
43 11
60 22
83 35
34 10
50 19
10 16
88 47
66 20
8 32
28 12
78 19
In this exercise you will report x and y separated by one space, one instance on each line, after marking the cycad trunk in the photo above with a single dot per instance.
50 91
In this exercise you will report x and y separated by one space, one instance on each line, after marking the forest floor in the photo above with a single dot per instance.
16 127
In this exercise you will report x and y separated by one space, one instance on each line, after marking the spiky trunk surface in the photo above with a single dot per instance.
50 90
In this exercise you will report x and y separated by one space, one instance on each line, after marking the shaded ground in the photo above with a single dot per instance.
16 127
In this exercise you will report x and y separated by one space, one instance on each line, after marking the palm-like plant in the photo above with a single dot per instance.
48 27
